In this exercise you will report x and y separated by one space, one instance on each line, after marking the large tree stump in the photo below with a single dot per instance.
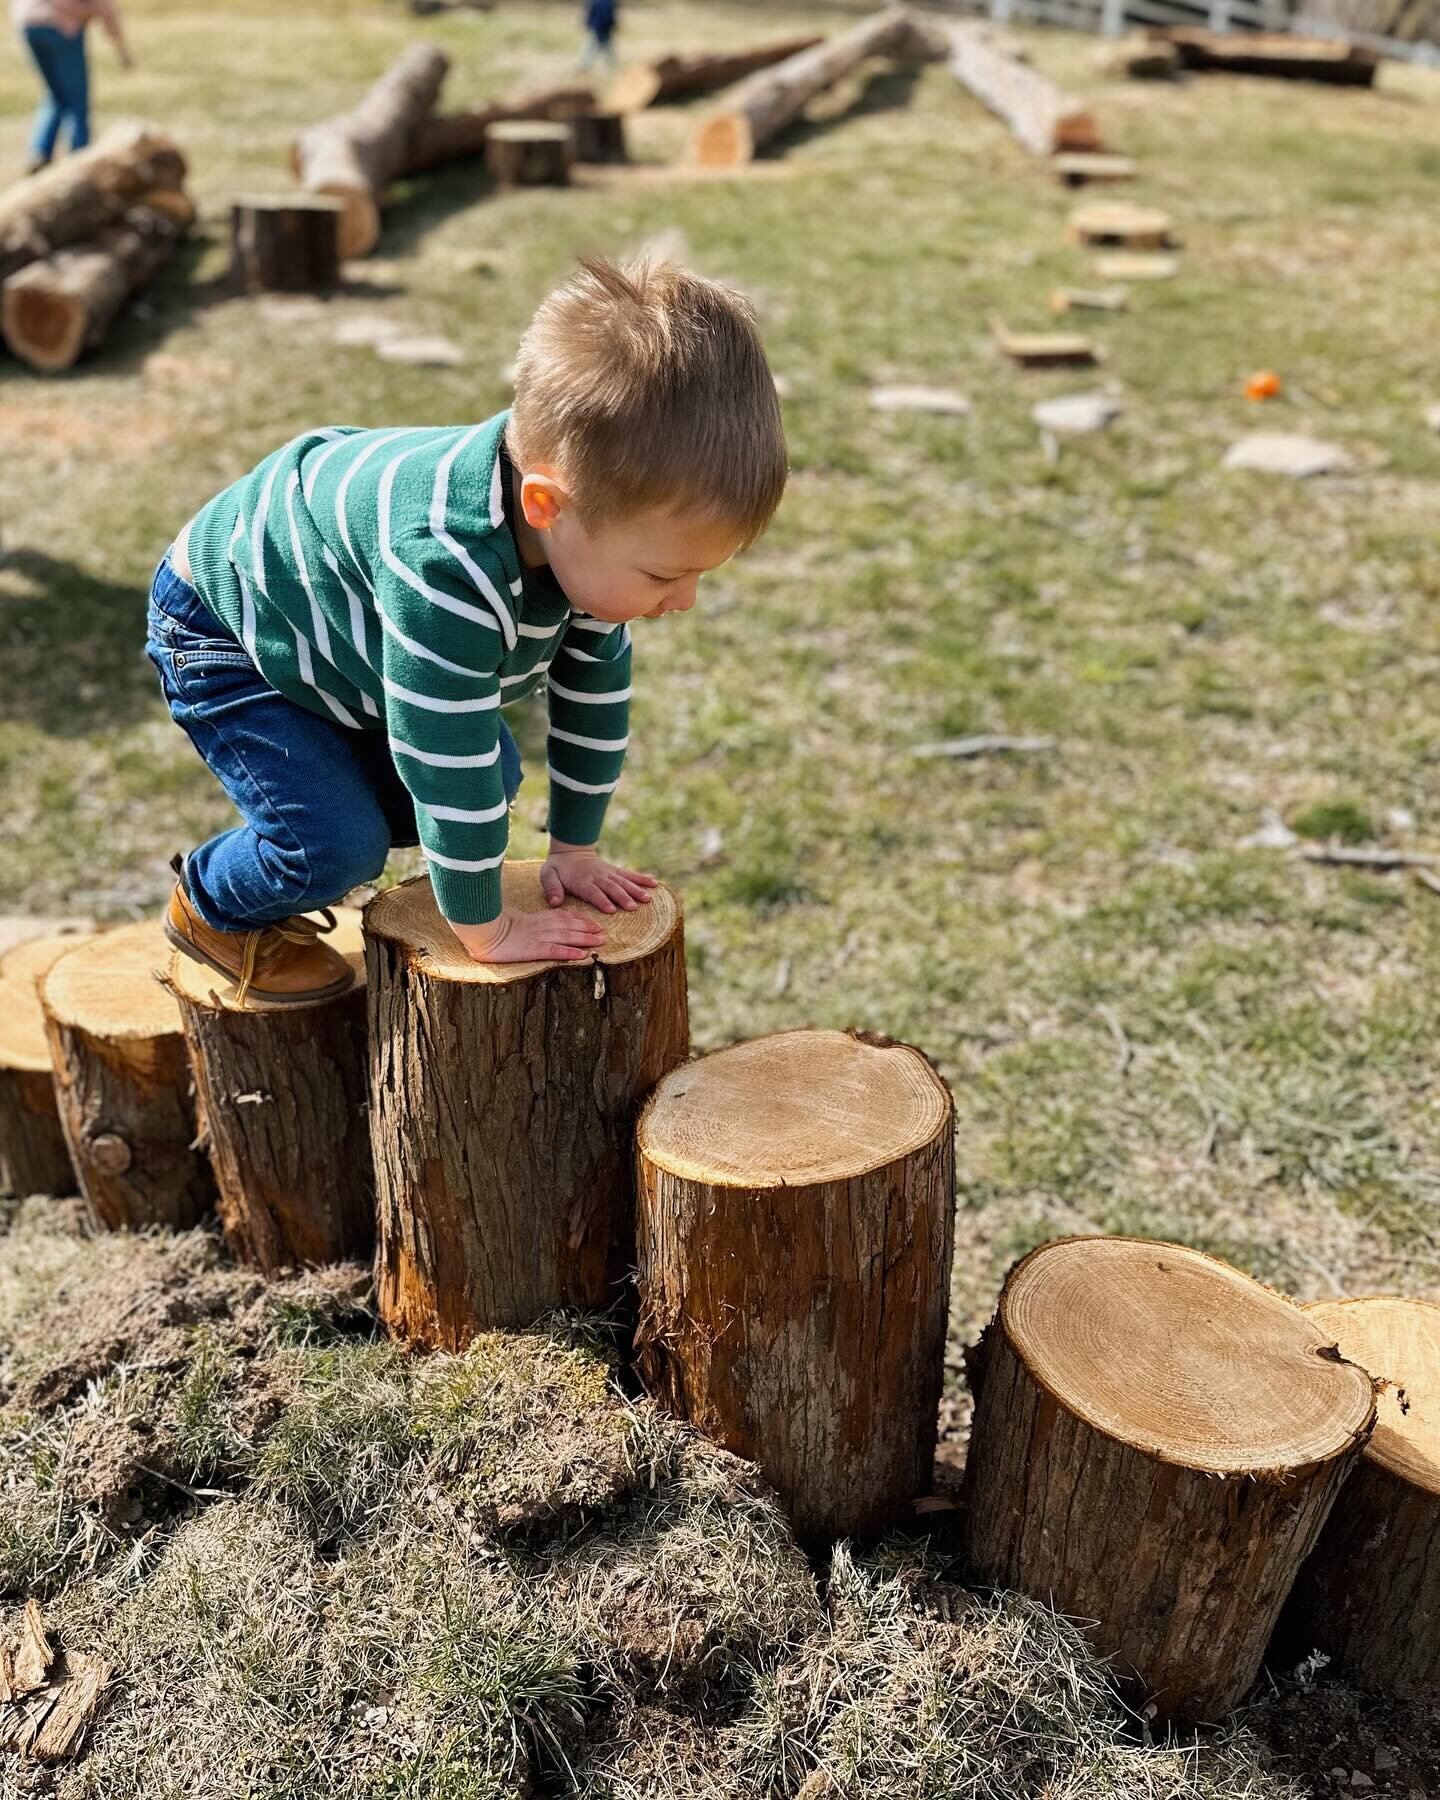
73 198
123 1082
63 305
451 137
1041 117
599 137
1157 1443
796 1224
682 77
288 246
502 1110
353 155
530 153
281 1096
1369 1596
34 1157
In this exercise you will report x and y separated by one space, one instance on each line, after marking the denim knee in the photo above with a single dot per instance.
345 861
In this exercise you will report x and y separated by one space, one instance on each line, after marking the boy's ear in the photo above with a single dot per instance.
542 498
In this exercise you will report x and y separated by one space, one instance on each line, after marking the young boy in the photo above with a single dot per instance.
338 630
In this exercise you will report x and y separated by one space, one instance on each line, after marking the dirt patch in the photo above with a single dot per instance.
1340 1740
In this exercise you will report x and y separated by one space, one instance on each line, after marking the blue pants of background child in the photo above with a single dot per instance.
322 804
61 62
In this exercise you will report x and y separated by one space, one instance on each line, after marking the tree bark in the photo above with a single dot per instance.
795 1231
34 1158
1157 1443
56 309
75 197
282 1101
530 153
353 155
765 104
1369 1596
123 1082
502 1108
1041 117
599 138
703 72
287 245
452 137
1276 54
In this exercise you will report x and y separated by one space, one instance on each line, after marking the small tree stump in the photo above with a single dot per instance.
529 153
34 1158
599 137
502 1110
280 1093
1369 1596
1157 1443
123 1082
290 246
796 1223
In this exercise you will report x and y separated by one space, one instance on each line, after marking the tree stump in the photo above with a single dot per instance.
796 1224
1369 1596
502 1110
529 153
280 1093
599 137
288 246
34 1158
123 1082
1157 1443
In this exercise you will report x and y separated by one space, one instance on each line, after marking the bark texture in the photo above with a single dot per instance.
75 197
1276 54
530 154
599 137
452 137
683 77
34 1158
1042 118
285 246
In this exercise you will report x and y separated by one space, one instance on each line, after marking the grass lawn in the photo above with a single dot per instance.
1149 1028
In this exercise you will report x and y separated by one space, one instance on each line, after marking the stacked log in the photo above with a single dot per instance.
71 200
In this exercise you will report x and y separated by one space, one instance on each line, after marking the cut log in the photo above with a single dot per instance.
1157 1443
796 1223
289 245
280 1094
530 153
1079 168
452 137
599 137
1110 299
1369 1597
56 309
123 1082
1044 349
75 197
765 104
355 154
1141 59
1042 118
502 1110
702 72
1116 225
1274 53
34 1157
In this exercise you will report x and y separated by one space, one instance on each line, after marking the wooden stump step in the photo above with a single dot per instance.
795 1232
34 1157
530 153
285 245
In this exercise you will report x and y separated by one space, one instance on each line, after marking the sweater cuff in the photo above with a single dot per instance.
576 818
466 899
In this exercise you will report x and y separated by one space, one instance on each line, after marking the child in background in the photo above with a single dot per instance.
338 630
601 17
54 33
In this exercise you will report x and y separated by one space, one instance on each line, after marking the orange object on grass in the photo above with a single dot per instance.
1264 384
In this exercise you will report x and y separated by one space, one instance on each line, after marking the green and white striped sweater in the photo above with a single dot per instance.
373 578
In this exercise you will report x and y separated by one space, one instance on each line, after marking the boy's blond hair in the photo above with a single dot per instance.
648 387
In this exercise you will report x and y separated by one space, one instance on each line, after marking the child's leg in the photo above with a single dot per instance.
44 42
73 92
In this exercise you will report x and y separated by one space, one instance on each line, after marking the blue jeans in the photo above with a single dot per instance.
322 804
61 62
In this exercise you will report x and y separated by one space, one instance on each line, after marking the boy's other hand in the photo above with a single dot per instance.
576 869
532 937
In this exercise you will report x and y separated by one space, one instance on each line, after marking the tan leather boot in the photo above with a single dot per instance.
284 965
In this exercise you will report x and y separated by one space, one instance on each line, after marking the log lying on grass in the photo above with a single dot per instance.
1276 53
1158 1441
75 197
796 1217
1369 1597
452 137
34 1157
765 104
353 155
1042 117
123 1082
502 1111
281 1099
56 309
703 72
288 245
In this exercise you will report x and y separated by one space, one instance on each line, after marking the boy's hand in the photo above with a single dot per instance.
576 869
532 937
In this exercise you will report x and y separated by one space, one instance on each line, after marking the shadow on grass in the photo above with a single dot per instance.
72 647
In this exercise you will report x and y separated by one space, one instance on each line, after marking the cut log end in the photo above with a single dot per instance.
1398 1342
47 329
359 222
110 985
633 89
724 142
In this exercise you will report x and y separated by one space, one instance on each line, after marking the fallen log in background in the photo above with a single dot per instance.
702 72
1277 53
765 104
56 309
75 197
288 244
1041 116
452 137
353 155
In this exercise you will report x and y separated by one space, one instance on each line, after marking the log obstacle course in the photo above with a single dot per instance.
289 244
34 1157
281 1100
795 1227
1158 1441
123 1082
502 1107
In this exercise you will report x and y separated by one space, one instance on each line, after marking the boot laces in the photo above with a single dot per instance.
262 944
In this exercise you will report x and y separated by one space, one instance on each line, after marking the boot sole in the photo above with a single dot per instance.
186 948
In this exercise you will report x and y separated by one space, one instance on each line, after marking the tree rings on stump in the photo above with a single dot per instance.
502 1110
796 1221
123 1081
529 153
1158 1440
281 1096
34 1157
1369 1597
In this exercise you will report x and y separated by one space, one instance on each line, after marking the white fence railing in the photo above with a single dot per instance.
1113 17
